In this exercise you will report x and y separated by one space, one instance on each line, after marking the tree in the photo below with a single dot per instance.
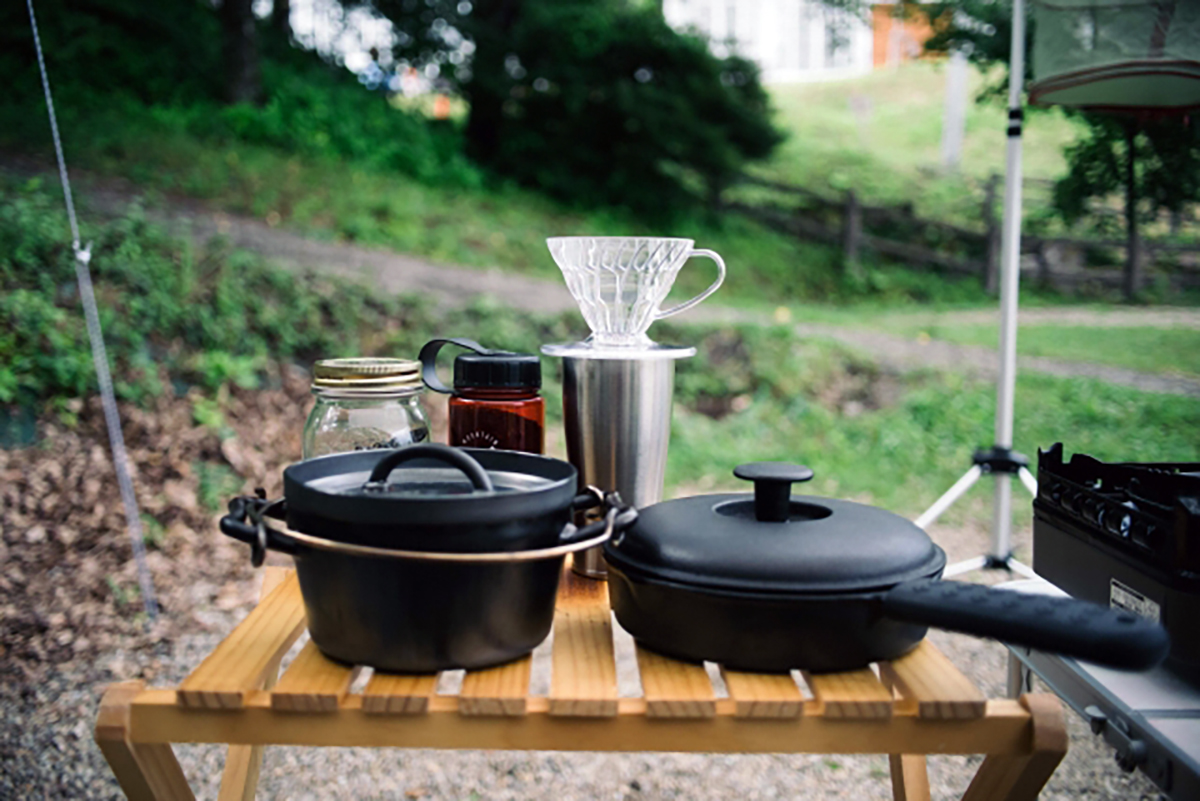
239 52
153 52
281 17
1153 161
591 100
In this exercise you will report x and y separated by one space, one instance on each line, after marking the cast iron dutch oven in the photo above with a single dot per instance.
426 558
777 581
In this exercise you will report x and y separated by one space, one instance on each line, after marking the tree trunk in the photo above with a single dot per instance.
486 93
1132 278
239 51
281 17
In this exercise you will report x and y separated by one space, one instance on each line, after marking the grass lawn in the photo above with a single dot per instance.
1153 349
880 134
1156 350
895 442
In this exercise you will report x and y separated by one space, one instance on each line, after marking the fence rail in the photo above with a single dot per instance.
899 233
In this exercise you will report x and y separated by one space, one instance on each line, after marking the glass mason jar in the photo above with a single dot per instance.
364 404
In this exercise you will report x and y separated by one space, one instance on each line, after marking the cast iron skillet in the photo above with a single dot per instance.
775 581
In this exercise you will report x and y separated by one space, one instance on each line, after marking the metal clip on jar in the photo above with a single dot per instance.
496 400
364 404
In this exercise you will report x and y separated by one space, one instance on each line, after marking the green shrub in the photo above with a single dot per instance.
207 317
125 72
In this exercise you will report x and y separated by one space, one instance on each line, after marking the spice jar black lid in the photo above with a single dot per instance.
481 368
497 370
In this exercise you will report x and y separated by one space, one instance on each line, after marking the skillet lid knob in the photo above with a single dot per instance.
773 487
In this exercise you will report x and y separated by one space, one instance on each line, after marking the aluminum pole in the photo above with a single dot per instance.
1010 274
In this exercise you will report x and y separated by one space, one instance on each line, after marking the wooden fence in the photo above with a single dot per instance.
896 232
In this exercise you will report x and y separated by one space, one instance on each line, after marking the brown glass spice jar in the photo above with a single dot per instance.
496 400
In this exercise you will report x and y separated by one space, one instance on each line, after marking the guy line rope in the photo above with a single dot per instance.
83 255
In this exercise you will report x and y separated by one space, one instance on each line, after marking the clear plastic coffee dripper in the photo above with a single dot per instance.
618 385
620 283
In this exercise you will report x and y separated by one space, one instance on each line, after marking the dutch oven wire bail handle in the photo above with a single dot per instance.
474 471
428 359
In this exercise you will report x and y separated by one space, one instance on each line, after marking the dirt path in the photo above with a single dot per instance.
453 285
1114 317
914 354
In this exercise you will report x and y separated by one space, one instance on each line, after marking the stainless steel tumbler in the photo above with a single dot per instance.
618 424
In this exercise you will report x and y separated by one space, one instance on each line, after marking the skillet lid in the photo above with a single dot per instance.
428 485
775 542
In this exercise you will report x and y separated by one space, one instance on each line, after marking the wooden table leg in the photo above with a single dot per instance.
910 776
1020 777
146 771
910 779
239 781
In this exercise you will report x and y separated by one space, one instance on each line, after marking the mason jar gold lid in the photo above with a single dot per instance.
368 367
366 377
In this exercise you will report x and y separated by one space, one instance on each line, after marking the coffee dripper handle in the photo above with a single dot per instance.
687 304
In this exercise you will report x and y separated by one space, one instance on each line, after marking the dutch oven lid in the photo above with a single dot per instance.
428 485
775 542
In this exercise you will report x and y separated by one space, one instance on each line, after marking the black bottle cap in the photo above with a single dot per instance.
497 370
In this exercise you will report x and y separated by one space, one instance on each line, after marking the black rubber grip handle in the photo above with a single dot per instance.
1066 626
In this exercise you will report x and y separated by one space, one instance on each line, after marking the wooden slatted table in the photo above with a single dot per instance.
917 705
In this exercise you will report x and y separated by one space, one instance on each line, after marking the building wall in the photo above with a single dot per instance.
791 40
897 40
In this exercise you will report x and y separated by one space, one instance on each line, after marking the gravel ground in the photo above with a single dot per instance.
46 747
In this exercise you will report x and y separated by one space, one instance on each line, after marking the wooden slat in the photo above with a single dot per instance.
763 695
674 689
312 683
399 694
583 673
272 577
240 663
500 690
157 718
854 694
239 779
928 679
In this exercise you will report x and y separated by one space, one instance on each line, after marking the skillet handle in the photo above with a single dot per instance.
1066 626
245 523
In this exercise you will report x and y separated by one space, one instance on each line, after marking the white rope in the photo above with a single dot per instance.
83 255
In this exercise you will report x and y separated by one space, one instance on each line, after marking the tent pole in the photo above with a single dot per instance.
1000 461
1010 274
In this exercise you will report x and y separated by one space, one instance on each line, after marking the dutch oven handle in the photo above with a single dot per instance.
1066 626
245 523
590 498
617 518
454 457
